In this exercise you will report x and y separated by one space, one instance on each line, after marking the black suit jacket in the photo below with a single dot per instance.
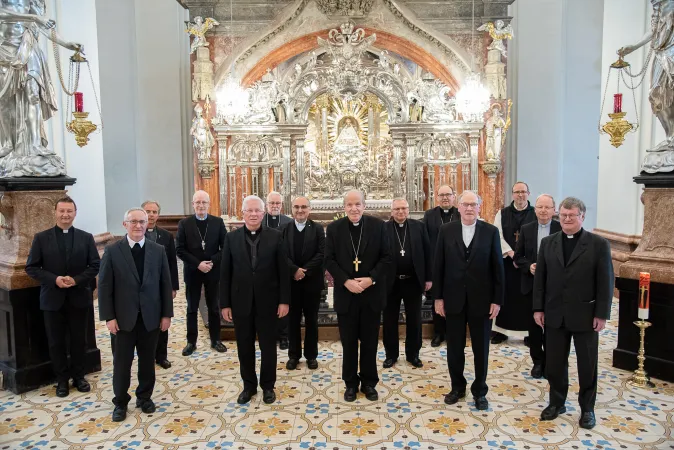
313 248
46 262
573 295
188 246
375 255
165 238
421 251
282 221
268 283
473 284
526 252
121 292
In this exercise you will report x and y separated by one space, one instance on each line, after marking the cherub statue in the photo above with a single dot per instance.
202 138
198 29
498 32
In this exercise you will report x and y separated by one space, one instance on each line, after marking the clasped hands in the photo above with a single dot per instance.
113 328
282 311
358 285
597 323
440 308
205 266
300 274
65 282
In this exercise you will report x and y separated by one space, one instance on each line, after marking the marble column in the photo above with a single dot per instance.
299 163
474 139
285 187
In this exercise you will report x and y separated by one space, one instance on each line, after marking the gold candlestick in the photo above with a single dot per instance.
640 379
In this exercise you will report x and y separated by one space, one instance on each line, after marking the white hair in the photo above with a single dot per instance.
129 211
274 193
362 195
548 196
249 199
208 197
479 199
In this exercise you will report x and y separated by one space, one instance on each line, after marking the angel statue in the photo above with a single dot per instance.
496 128
198 29
202 138
498 32
27 97
661 94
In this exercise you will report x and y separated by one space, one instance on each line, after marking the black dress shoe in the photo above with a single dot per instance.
552 411
370 393
312 364
268 396
454 397
81 384
416 362
587 420
119 414
537 371
389 362
497 338
481 403
292 364
189 349
164 364
437 341
62 389
350 394
245 396
283 344
147 405
219 346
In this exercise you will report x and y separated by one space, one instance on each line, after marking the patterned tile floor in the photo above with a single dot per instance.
197 409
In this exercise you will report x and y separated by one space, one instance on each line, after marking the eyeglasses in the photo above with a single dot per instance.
568 216
206 202
520 192
470 205
136 222
275 203
253 211
445 195
402 208
300 206
547 208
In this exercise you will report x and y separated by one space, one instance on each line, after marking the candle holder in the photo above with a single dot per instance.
617 128
81 128
640 379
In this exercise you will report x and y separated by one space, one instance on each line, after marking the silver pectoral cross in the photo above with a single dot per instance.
203 245
402 252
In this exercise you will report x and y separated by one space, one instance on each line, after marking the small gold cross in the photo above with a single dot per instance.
356 262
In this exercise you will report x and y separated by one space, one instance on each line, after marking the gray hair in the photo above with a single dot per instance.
479 199
249 199
362 195
147 202
548 196
302 196
274 193
129 211
400 199
201 191
573 202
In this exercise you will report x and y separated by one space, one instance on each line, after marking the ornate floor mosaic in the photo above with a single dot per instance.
197 409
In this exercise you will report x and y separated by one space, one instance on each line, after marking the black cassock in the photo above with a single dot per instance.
516 311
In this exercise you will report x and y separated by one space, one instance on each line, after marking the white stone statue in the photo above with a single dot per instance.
27 97
498 32
198 29
202 139
495 129
661 95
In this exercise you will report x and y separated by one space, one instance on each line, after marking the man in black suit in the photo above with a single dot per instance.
468 285
434 218
273 218
409 277
304 242
254 293
65 261
573 291
163 237
134 298
526 253
200 240
357 255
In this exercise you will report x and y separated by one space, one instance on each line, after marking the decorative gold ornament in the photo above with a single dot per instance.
640 379
81 128
617 128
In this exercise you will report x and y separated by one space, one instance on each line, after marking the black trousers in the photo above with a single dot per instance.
67 321
304 302
145 343
162 346
283 323
558 345
480 328
536 342
439 323
409 292
193 286
361 323
262 323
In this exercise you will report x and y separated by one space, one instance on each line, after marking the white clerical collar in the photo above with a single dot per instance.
274 217
150 230
468 226
401 224
201 218
446 211
132 242
65 230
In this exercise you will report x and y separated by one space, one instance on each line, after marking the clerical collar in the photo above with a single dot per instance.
401 224
132 242
356 223
200 218
64 230
150 230
446 211
252 232
576 235
274 217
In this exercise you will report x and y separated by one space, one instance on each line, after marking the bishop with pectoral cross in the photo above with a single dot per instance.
357 255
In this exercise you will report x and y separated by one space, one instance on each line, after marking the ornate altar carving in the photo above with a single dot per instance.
495 73
345 7
198 30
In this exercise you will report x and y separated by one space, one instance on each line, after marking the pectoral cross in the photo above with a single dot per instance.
517 236
203 245
402 252
356 262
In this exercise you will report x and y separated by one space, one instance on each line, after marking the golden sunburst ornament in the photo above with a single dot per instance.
345 112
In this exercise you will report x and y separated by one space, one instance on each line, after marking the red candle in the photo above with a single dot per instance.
79 102
617 103
644 294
